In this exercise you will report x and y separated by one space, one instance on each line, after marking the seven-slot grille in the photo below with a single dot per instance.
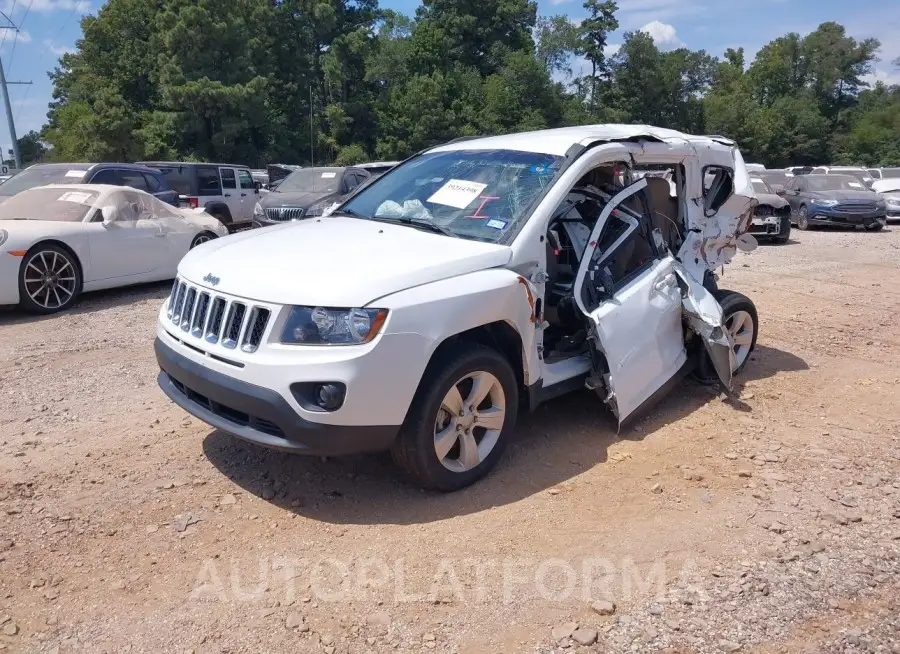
215 318
284 213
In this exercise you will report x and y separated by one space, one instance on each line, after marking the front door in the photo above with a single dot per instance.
629 292
134 244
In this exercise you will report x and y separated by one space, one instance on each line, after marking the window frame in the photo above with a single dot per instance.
234 181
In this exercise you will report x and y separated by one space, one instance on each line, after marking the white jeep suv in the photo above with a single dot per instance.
480 277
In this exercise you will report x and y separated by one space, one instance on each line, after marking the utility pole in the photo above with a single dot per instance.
9 113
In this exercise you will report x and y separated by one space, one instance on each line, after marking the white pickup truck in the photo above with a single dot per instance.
481 277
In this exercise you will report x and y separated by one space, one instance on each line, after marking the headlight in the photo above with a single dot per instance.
325 326
824 203
894 202
258 210
3 236
318 208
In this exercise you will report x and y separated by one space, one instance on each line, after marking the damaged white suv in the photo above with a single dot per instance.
477 278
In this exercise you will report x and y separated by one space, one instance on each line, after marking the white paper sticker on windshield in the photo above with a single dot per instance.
854 184
328 175
76 173
76 196
457 193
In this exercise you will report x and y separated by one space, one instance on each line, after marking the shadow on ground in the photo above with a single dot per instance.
92 302
559 441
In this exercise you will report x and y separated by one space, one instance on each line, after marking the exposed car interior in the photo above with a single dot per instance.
658 213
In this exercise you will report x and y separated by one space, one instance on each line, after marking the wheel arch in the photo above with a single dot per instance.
499 335
63 246
217 208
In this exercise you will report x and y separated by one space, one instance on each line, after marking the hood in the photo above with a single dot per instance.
771 200
844 194
890 195
335 262
299 200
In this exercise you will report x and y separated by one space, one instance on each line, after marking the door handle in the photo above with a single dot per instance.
666 282
243 195
228 195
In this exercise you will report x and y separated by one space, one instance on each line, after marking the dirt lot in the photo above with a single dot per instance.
768 522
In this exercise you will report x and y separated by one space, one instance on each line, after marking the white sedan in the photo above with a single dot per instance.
60 240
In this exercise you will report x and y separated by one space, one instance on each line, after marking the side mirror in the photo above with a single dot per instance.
607 283
779 190
109 214
718 186
256 187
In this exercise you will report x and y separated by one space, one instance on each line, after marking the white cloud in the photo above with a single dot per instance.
48 6
22 37
663 35
611 48
58 50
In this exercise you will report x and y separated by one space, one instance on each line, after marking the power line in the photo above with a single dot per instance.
16 39
75 6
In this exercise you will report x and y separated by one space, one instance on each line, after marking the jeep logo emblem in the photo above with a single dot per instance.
211 279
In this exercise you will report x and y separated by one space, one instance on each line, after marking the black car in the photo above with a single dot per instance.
307 192
838 200
772 216
136 176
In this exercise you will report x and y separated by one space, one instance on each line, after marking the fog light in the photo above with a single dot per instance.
329 396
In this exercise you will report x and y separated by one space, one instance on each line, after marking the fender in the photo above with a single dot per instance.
442 309
219 209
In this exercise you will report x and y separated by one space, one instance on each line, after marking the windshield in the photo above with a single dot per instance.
42 175
834 183
54 204
311 180
761 187
480 194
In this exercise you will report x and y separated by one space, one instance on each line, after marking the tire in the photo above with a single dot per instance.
732 303
50 280
784 234
876 227
803 218
416 447
202 237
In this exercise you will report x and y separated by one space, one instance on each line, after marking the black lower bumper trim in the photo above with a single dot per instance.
258 414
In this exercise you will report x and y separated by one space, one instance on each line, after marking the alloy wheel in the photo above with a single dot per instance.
469 421
50 279
739 326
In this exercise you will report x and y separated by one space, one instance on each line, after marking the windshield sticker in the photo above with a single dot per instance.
76 197
329 175
854 184
75 173
457 193
496 224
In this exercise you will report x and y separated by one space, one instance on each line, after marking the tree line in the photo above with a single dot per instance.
290 81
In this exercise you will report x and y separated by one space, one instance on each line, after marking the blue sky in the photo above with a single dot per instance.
50 27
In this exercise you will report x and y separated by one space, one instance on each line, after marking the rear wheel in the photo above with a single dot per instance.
459 420
49 280
202 237
742 325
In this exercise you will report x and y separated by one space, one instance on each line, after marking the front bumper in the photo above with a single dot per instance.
825 216
766 225
256 414
9 277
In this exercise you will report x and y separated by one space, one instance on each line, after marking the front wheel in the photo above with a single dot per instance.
803 218
459 420
875 227
49 280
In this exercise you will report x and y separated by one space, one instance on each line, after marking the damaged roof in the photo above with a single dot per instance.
558 141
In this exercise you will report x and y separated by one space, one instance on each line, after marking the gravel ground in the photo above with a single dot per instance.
766 522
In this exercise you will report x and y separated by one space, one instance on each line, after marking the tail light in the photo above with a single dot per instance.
194 202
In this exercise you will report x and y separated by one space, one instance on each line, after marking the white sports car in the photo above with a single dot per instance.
60 240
